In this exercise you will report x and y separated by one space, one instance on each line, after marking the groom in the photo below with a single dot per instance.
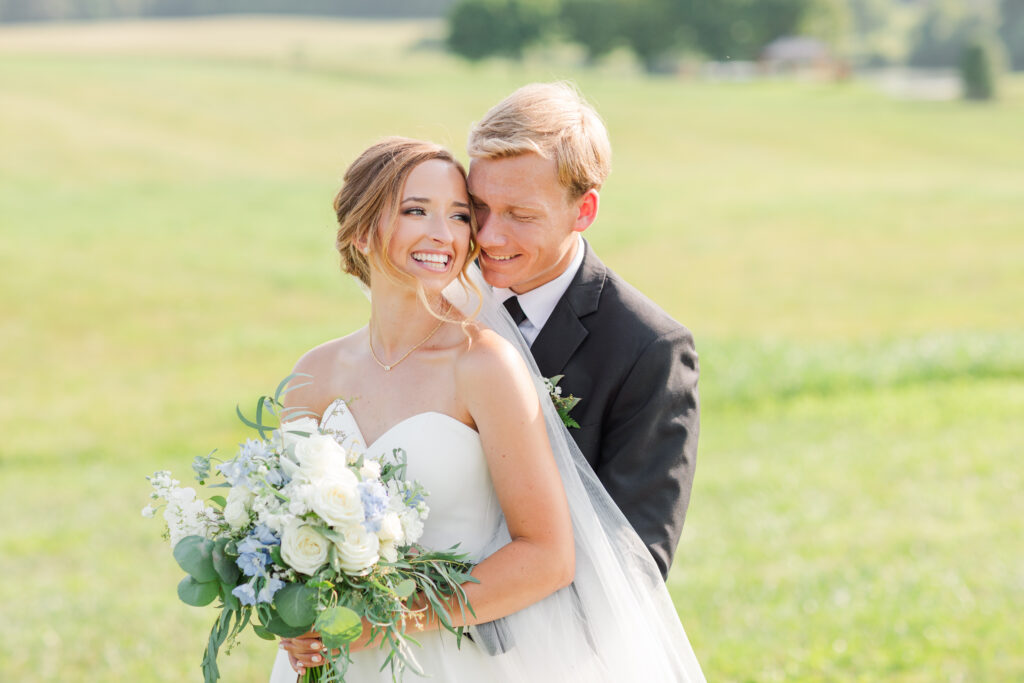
539 159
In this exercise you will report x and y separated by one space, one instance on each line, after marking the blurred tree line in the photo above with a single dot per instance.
941 30
72 10
923 33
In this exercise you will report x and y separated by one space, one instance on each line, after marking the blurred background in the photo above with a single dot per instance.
829 193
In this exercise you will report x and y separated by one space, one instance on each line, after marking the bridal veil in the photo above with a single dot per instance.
616 622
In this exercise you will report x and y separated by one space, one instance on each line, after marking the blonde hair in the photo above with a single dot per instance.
551 120
372 189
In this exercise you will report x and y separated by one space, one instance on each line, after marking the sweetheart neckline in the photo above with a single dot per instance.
392 427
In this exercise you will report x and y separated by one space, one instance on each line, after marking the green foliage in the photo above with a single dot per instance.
651 28
296 603
944 30
1011 31
224 562
63 10
978 68
868 16
338 626
194 554
485 28
196 593
594 24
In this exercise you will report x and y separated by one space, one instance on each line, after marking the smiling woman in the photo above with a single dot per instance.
407 232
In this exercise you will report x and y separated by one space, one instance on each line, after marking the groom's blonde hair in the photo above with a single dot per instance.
551 120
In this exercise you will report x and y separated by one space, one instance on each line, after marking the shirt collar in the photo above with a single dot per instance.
539 303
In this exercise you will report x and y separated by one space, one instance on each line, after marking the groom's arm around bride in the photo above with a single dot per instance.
539 159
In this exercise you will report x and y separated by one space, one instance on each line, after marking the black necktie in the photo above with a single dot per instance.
515 310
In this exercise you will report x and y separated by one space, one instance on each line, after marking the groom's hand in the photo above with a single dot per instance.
304 652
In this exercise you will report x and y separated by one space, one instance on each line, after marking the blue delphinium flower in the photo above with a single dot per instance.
250 455
265 536
375 501
245 594
267 592
252 564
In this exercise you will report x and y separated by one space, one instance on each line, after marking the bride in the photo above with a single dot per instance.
567 591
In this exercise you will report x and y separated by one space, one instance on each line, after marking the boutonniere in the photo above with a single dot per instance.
563 404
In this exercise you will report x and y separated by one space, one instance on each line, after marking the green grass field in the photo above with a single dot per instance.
852 267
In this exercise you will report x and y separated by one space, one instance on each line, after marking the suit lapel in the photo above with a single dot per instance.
563 333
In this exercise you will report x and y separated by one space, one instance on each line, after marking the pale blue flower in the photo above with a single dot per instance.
250 545
277 478
374 498
267 592
245 594
265 536
252 564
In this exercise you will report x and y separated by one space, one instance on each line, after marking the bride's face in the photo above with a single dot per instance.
430 239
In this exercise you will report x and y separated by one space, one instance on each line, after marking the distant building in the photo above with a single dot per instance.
801 55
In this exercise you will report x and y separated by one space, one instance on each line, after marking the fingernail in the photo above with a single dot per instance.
314 645
315 658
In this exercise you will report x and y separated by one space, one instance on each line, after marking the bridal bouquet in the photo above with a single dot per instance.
309 536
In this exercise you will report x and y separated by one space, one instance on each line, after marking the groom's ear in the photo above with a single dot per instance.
586 210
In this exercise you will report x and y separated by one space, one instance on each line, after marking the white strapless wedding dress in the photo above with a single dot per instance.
446 456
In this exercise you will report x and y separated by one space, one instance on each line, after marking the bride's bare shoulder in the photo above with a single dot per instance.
487 357
321 370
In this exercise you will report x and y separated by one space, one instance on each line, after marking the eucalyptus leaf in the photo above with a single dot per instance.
296 605
279 628
194 554
197 594
405 588
230 601
263 633
219 500
338 626
224 564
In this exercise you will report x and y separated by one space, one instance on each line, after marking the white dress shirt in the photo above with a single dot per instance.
539 303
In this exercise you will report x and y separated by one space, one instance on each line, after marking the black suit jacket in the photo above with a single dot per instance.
635 370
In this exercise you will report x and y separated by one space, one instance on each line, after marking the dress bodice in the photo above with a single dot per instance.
446 456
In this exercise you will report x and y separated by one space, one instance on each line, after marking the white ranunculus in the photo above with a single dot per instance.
370 469
412 525
337 500
321 457
303 548
359 551
236 510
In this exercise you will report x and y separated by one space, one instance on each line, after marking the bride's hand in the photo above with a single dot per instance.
304 652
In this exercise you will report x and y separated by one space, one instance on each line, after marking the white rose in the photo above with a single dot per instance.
321 457
359 551
304 424
370 469
391 529
236 510
389 551
412 526
337 500
303 548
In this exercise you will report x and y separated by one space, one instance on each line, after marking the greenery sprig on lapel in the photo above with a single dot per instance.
563 404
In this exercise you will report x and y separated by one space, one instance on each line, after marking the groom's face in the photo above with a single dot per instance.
526 221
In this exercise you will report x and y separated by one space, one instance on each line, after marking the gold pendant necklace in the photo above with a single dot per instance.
387 367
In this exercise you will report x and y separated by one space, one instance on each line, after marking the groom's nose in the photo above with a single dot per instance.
490 233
